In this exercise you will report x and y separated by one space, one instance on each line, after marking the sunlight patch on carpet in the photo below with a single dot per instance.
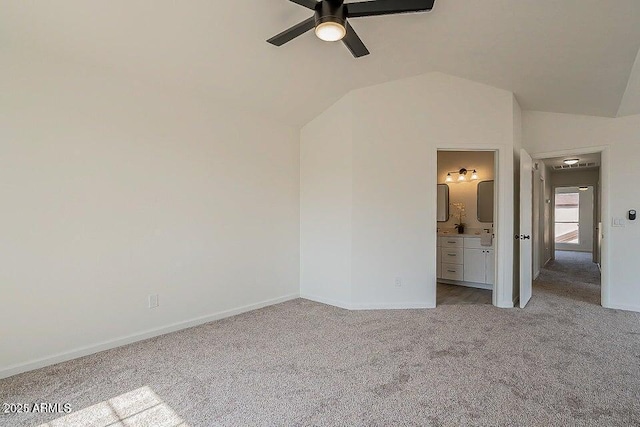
138 408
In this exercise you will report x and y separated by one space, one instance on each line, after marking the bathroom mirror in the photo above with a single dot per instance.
485 201
443 203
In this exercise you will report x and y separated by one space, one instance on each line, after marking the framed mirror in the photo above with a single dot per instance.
443 203
485 201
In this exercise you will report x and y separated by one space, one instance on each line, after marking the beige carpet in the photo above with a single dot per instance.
562 361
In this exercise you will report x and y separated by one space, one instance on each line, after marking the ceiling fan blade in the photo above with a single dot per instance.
353 43
309 4
293 32
387 7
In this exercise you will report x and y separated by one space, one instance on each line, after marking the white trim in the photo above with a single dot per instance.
368 306
392 306
485 286
623 307
150 333
327 301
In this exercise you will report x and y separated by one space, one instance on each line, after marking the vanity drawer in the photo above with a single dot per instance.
452 271
451 242
452 255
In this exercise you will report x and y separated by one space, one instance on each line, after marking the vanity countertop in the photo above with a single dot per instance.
476 233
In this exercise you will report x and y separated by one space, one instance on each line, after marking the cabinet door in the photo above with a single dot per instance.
490 266
474 265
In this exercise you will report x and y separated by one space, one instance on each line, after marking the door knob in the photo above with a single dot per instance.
525 237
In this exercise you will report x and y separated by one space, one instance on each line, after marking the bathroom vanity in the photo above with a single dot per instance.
463 260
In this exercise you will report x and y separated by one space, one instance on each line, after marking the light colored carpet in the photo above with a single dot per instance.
562 361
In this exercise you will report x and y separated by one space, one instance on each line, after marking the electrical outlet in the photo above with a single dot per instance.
154 301
398 282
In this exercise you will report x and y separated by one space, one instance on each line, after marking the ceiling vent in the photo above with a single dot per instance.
576 166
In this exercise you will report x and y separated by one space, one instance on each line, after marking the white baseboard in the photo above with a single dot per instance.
106 345
367 306
392 306
328 301
466 284
623 307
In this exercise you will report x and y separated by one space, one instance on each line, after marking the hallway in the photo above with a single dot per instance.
571 275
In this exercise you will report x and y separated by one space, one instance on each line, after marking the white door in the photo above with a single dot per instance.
526 227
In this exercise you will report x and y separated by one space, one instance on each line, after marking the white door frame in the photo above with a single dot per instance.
605 208
503 218
525 232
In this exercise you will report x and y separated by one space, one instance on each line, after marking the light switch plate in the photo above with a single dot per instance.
619 222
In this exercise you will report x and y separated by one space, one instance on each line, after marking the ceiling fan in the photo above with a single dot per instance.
330 20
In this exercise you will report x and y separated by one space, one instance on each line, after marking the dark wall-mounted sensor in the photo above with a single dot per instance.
632 215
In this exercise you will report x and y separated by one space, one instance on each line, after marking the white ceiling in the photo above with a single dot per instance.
572 56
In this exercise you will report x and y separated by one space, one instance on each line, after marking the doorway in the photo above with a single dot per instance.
568 225
466 255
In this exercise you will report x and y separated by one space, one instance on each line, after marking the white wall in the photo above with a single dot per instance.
325 205
112 191
465 192
397 129
550 133
541 216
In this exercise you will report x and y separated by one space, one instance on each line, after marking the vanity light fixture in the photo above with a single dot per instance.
462 175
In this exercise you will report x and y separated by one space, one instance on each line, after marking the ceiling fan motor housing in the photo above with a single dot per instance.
331 11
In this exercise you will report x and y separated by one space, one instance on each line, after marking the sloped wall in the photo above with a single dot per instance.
325 205
396 130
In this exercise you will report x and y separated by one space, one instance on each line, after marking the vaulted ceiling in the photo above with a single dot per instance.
571 56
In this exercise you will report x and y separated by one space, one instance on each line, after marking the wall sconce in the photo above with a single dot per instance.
462 175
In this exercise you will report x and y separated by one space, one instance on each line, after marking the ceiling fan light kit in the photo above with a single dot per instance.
331 20
331 24
330 31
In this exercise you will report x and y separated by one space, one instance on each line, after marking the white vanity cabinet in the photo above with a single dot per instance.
479 266
462 260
